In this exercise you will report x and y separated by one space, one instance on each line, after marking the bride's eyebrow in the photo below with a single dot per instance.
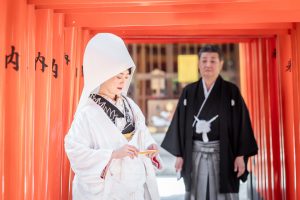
123 74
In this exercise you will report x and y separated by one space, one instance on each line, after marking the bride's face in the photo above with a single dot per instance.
115 85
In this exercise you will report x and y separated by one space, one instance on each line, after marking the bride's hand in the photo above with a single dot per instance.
153 147
126 150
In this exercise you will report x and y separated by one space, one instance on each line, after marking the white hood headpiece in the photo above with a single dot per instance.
105 56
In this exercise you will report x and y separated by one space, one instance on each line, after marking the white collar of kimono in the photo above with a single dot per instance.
105 56
206 94
206 91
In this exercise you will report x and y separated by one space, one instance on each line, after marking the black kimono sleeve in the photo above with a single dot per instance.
174 140
245 143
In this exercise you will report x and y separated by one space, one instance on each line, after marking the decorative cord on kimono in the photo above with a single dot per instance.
203 126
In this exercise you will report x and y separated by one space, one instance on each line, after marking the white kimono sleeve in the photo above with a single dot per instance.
141 124
86 162
148 137
156 161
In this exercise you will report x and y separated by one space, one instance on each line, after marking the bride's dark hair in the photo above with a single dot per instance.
130 70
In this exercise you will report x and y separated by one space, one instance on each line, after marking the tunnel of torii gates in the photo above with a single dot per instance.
39 87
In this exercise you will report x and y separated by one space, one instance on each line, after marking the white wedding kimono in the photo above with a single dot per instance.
93 136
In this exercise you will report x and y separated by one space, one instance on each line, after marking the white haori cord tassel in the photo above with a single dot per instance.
203 126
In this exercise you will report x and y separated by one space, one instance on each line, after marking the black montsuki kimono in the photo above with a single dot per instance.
236 134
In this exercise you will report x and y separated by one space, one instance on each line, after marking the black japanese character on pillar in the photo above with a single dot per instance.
54 68
289 66
40 59
67 59
12 58
274 53
82 70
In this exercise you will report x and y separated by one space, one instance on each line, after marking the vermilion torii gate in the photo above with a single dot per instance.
41 48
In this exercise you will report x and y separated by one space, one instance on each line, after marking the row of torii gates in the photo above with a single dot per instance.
41 48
